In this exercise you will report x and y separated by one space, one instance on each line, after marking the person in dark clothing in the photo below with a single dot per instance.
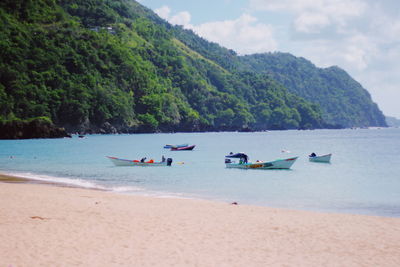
143 159
313 155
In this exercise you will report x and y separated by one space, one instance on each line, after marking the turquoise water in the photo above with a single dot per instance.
363 177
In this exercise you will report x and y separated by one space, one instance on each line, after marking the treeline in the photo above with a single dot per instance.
115 66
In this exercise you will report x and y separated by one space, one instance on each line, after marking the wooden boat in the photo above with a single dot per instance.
171 146
150 163
182 148
243 164
324 158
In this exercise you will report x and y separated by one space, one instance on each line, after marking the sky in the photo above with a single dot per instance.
360 36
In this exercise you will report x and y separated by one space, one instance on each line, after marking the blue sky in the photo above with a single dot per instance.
360 36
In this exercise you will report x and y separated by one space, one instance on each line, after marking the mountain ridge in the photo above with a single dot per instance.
315 84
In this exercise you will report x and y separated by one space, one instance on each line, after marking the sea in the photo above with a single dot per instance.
362 178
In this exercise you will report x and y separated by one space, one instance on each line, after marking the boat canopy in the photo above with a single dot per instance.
237 156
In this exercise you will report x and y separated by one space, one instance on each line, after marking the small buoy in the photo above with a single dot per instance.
234 203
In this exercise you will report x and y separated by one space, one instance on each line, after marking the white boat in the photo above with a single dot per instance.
324 158
276 164
150 163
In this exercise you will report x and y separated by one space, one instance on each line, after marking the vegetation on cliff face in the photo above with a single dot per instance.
342 100
115 66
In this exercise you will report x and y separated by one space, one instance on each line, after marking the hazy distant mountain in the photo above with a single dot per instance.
392 121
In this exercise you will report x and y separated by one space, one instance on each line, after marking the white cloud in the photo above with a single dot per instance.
164 12
311 23
312 16
182 18
244 34
275 5
338 7
387 27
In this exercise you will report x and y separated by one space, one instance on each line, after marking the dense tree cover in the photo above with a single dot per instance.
343 100
115 66
81 78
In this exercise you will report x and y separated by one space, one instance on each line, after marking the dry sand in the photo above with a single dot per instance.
42 225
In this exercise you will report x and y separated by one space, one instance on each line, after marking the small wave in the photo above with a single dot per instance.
164 194
57 180
119 189
126 189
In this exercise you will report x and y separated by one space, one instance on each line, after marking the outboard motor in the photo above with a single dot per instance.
169 161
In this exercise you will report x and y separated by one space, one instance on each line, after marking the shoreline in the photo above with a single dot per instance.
15 178
8 178
46 225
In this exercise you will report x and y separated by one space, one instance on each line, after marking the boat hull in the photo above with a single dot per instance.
323 158
182 148
171 146
277 164
128 162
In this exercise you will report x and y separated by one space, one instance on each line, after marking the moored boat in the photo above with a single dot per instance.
244 164
182 148
323 158
171 146
150 163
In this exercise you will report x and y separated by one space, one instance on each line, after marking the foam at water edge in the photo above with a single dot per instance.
74 182
58 180
117 189
164 194
91 185
125 189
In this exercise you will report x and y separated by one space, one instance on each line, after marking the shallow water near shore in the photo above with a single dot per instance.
362 178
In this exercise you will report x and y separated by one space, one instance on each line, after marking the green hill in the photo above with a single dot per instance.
343 100
115 66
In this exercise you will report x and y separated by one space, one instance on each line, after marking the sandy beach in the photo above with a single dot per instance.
44 225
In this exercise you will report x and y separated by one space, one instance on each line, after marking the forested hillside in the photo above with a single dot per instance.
343 100
115 66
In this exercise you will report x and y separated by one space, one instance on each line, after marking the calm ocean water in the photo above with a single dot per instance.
363 177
